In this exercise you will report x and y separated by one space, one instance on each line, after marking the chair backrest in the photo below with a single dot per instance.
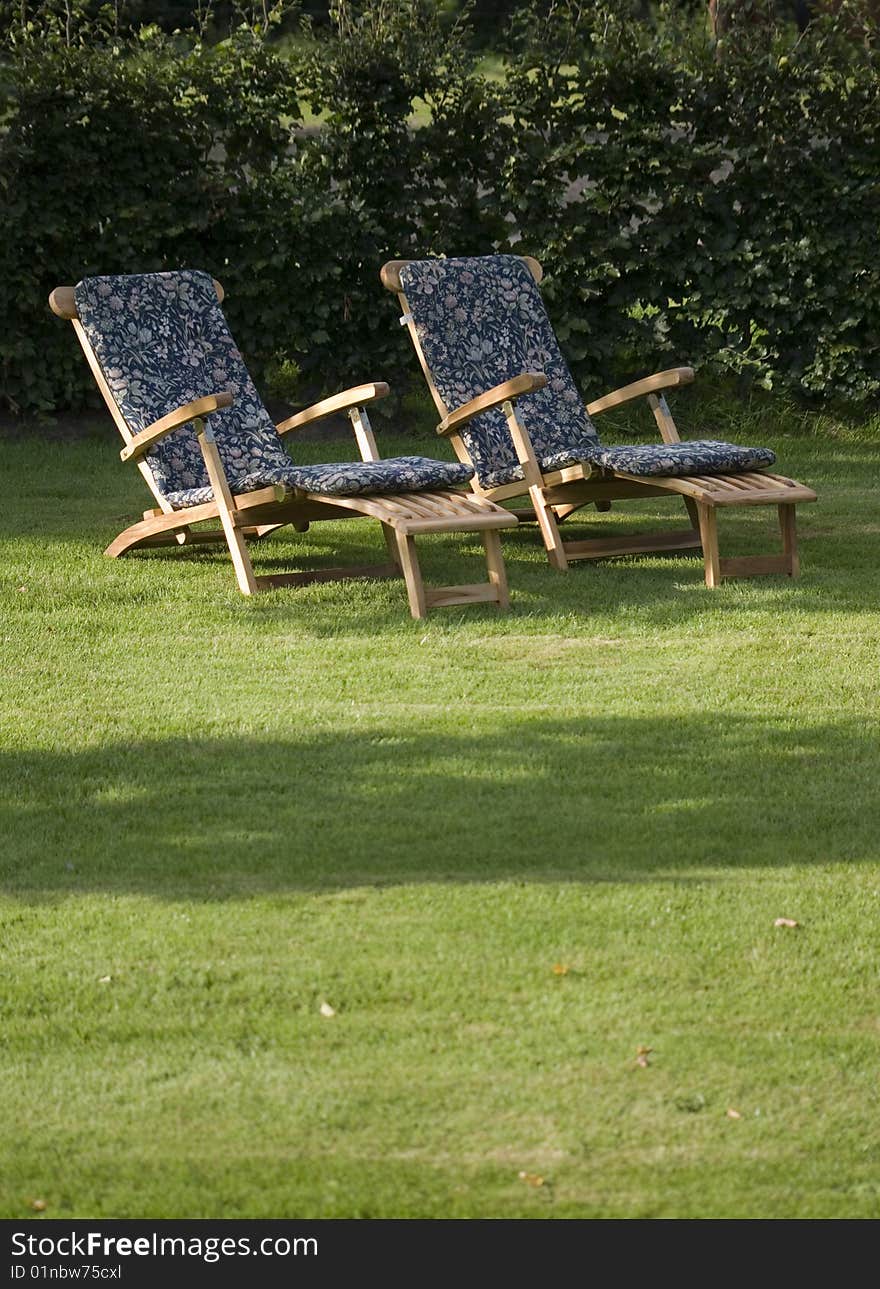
160 341
480 321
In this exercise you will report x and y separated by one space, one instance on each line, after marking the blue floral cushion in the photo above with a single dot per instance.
162 341
700 456
352 478
481 321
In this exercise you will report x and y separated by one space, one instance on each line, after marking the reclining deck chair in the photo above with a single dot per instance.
164 360
512 410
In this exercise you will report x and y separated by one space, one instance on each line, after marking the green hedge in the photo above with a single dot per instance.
689 204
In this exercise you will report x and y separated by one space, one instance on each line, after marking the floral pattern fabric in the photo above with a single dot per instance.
699 456
350 479
162 340
480 320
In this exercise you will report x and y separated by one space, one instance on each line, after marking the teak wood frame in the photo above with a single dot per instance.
250 516
559 493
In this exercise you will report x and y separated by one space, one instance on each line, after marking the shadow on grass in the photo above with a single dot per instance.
543 800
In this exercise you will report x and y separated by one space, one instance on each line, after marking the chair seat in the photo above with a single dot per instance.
671 460
343 478
667 460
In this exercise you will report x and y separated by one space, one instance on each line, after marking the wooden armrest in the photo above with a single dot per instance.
157 431
355 397
639 388
507 392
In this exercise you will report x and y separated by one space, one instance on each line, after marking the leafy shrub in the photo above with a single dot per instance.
687 206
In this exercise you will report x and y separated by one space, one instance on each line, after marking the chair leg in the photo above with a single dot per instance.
391 544
708 520
409 563
788 528
549 531
241 560
495 565
693 513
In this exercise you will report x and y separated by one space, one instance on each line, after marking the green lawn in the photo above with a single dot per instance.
507 850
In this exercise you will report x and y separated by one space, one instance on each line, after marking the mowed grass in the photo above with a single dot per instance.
508 851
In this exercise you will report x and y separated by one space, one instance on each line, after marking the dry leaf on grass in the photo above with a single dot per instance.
786 922
733 1114
561 969
642 1054
532 1179
327 1010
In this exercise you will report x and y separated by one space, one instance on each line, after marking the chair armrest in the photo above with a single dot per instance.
142 442
507 392
358 396
640 388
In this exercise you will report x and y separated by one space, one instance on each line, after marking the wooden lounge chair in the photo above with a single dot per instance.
177 388
511 409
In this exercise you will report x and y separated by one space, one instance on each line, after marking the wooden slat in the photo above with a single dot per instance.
276 492
475 593
712 489
769 498
430 513
145 530
589 490
258 531
635 544
419 506
190 538
356 572
503 492
466 524
753 565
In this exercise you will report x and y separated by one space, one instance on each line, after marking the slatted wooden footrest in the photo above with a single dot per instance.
753 488
408 515
357 572
412 513
403 517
